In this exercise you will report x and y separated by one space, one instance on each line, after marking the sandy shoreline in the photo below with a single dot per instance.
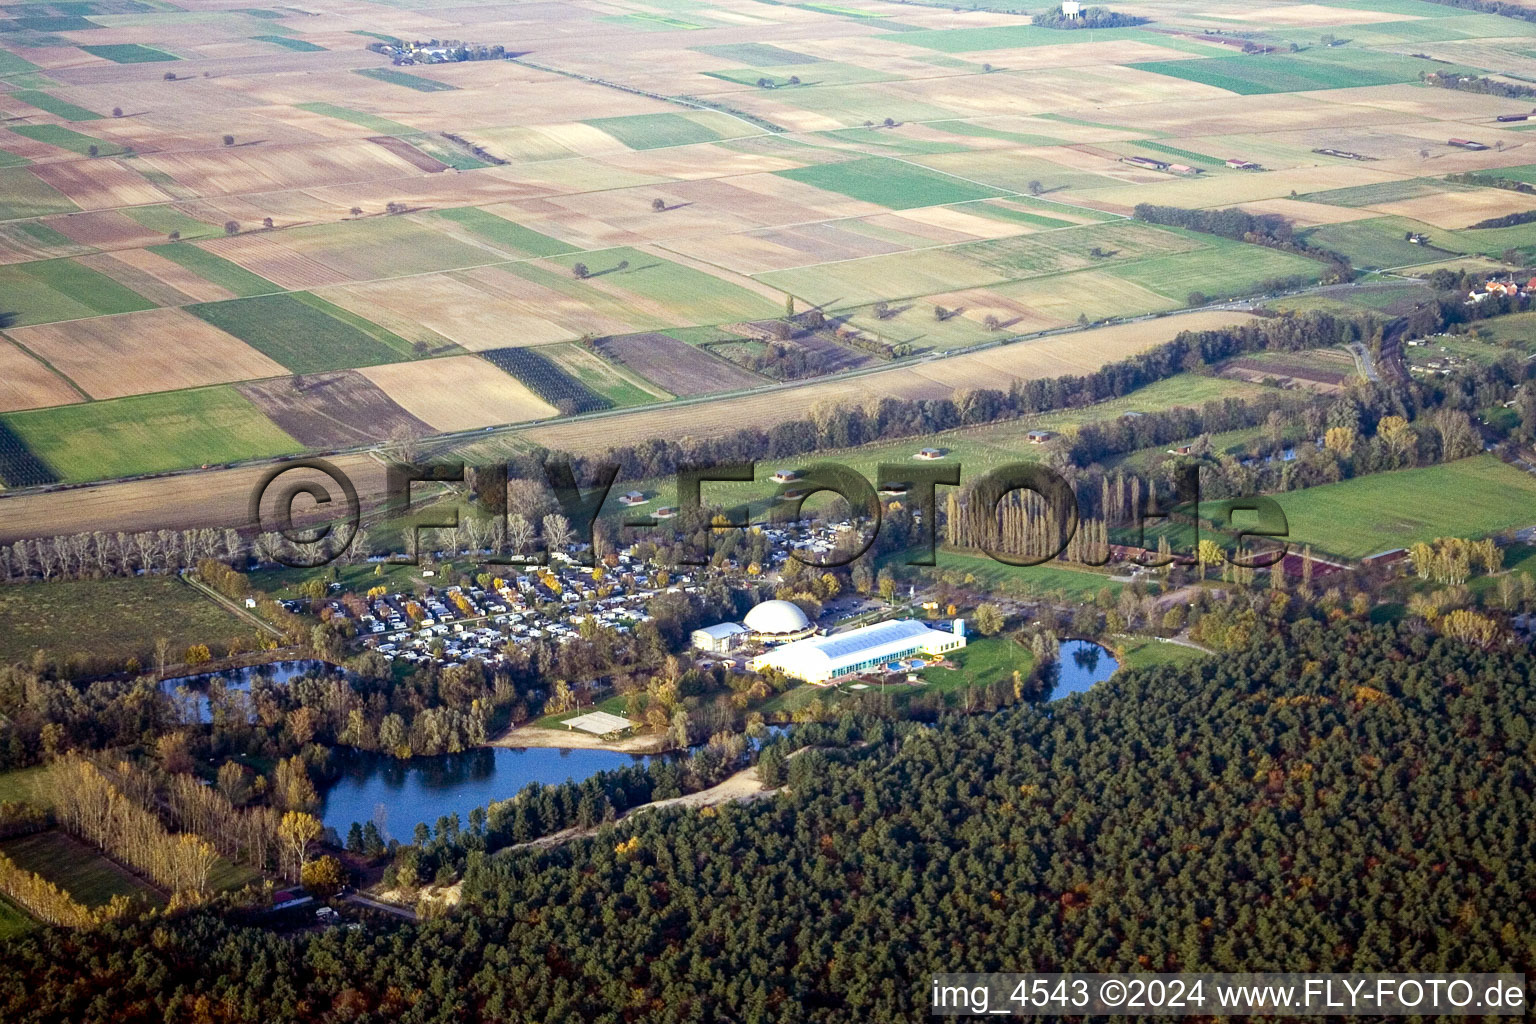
575 739
742 787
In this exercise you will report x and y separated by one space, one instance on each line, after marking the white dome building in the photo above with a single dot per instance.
778 622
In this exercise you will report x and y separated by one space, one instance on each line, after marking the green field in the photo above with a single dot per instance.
1517 331
59 108
1373 244
445 152
1008 213
1224 269
394 77
9 159
691 296
49 290
655 131
150 433
1008 37
73 866
502 232
129 53
10 64
304 332
26 785
1470 498
1253 75
617 385
1183 154
372 122
291 44
64 138
982 131
167 218
13 920
1525 173
215 269
24 194
1357 196
891 183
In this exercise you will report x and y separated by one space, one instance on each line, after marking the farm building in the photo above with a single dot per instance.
929 453
1467 144
784 476
633 498
1039 436
1238 164
824 658
719 638
1145 162
1506 118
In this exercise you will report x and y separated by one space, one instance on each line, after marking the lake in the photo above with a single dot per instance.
193 698
396 794
401 793
1082 664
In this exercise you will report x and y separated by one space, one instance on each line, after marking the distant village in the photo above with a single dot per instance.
437 51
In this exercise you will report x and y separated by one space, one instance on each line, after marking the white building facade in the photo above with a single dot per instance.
825 658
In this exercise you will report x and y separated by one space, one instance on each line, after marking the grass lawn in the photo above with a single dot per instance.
128 53
215 269
60 108
981 662
73 866
150 433
24 785
1470 498
1145 652
1056 579
394 77
13 920
372 122
49 290
24 194
502 232
891 183
655 131
304 332
104 618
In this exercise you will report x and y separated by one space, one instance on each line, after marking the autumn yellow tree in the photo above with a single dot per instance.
295 833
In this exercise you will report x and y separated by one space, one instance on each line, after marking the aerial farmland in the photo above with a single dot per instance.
230 216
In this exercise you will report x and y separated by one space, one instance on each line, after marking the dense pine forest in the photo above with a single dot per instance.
1337 797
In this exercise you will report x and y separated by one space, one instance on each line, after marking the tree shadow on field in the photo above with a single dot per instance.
622 267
